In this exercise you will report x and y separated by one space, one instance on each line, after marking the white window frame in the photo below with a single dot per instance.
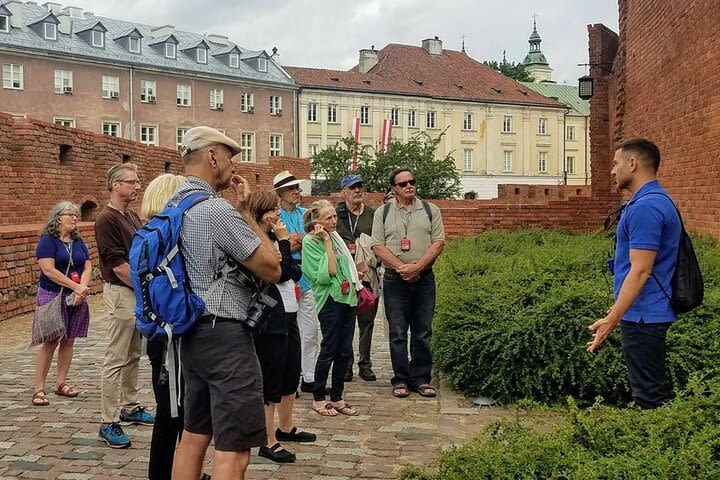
170 50
431 119
107 129
110 84
99 35
468 160
13 76
247 102
64 121
542 126
276 145
412 118
130 45
247 147
468 121
217 96
62 78
507 160
395 117
364 115
201 55
145 135
570 162
234 60
4 24
570 133
275 105
312 112
507 125
262 64
332 113
183 97
313 149
542 162
148 88
49 34
179 133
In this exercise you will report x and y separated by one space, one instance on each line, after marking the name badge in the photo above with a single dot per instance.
405 244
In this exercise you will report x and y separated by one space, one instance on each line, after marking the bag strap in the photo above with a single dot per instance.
62 287
426 206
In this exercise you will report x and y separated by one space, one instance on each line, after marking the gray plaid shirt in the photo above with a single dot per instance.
211 232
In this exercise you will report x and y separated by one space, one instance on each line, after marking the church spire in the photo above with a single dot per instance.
535 62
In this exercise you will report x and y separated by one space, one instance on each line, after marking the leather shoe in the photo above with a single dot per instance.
276 453
295 435
348 376
306 387
368 375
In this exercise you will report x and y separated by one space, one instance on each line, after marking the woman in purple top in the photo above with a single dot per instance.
61 249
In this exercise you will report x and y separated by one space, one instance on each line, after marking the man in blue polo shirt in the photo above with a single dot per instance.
648 235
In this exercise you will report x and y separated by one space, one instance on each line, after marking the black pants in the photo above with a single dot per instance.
644 351
166 430
365 323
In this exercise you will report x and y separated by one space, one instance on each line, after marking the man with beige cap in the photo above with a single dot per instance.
223 382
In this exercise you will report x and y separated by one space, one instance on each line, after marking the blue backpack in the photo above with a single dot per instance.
165 307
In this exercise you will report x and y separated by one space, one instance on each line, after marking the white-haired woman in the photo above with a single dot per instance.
65 267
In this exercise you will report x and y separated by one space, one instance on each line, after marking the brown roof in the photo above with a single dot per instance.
409 70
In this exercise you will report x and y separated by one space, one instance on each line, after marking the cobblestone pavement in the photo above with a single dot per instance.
60 440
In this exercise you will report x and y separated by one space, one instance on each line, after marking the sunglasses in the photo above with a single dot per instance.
613 218
357 186
405 183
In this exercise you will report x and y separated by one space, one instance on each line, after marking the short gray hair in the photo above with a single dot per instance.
52 224
116 172
312 214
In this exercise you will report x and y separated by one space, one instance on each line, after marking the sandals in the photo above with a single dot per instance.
344 408
66 390
39 399
426 390
400 390
324 409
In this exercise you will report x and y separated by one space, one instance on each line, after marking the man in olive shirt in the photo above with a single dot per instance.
408 235
354 219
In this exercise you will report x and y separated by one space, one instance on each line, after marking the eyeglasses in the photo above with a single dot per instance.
68 214
405 183
136 182
357 186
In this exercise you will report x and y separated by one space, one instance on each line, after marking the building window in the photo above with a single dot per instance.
110 86
184 95
201 55
179 134
395 116
50 31
148 135
134 45
98 39
468 160
216 99
170 50
275 105
468 121
13 76
148 91
247 102
542 126
570 133
312 150
507 161
312 112
430 120
332 114
542 162
111 128
275 145
234 60
412 118
4 24
364 115
65 122
63 81
247 147
262 64
507 124
570 165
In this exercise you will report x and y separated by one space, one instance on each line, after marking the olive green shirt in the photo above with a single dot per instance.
413 224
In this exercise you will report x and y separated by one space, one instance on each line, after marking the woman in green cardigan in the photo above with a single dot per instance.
328 266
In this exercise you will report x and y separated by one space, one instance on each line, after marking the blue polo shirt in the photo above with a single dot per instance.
294 223
649 222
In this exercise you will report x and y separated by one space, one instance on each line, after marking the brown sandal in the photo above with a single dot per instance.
66 390
344 408
400 390
39 399
426 390
324 409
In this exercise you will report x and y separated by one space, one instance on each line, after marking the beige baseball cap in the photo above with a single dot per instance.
198 138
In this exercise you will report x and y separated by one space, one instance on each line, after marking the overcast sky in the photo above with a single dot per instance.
329 33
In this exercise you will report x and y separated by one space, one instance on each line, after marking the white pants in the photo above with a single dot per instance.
309 337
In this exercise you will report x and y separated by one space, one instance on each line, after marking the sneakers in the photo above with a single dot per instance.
137 416
114 436
294 435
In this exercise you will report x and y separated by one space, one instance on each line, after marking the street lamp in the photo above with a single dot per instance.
585 87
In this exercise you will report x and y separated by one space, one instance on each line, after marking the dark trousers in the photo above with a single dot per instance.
365 323
410 306
644 351
166 430
337 324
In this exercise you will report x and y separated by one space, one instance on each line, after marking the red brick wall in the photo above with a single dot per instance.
665 87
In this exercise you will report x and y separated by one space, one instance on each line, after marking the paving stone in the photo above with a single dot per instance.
22 465
75 476
6 445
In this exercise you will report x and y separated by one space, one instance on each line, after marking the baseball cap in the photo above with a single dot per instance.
350 180
198 138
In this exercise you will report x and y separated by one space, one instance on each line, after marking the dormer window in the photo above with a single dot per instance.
50 31
262 64
4 24
170 51
134 45
201 55
234 60
98 39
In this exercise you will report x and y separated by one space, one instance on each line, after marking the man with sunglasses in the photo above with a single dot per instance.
354 219
408 235
648 234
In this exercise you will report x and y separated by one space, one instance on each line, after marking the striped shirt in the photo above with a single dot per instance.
213 231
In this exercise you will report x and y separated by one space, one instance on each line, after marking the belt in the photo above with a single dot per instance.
390 271
216 319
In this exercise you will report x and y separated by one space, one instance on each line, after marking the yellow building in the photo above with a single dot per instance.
497 130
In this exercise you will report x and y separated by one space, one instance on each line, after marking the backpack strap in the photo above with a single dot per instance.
426 206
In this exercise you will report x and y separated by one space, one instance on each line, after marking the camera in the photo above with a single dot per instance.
261 305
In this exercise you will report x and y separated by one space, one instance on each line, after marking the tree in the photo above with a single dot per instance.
516 71
332 163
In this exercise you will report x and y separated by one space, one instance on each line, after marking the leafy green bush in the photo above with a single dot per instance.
513 310
680 440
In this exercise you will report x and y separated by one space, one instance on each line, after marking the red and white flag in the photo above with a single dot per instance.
386 135
356 136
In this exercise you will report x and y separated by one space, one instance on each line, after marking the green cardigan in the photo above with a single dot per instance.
315 269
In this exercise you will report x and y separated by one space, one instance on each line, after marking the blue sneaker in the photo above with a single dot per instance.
137 416
114 436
